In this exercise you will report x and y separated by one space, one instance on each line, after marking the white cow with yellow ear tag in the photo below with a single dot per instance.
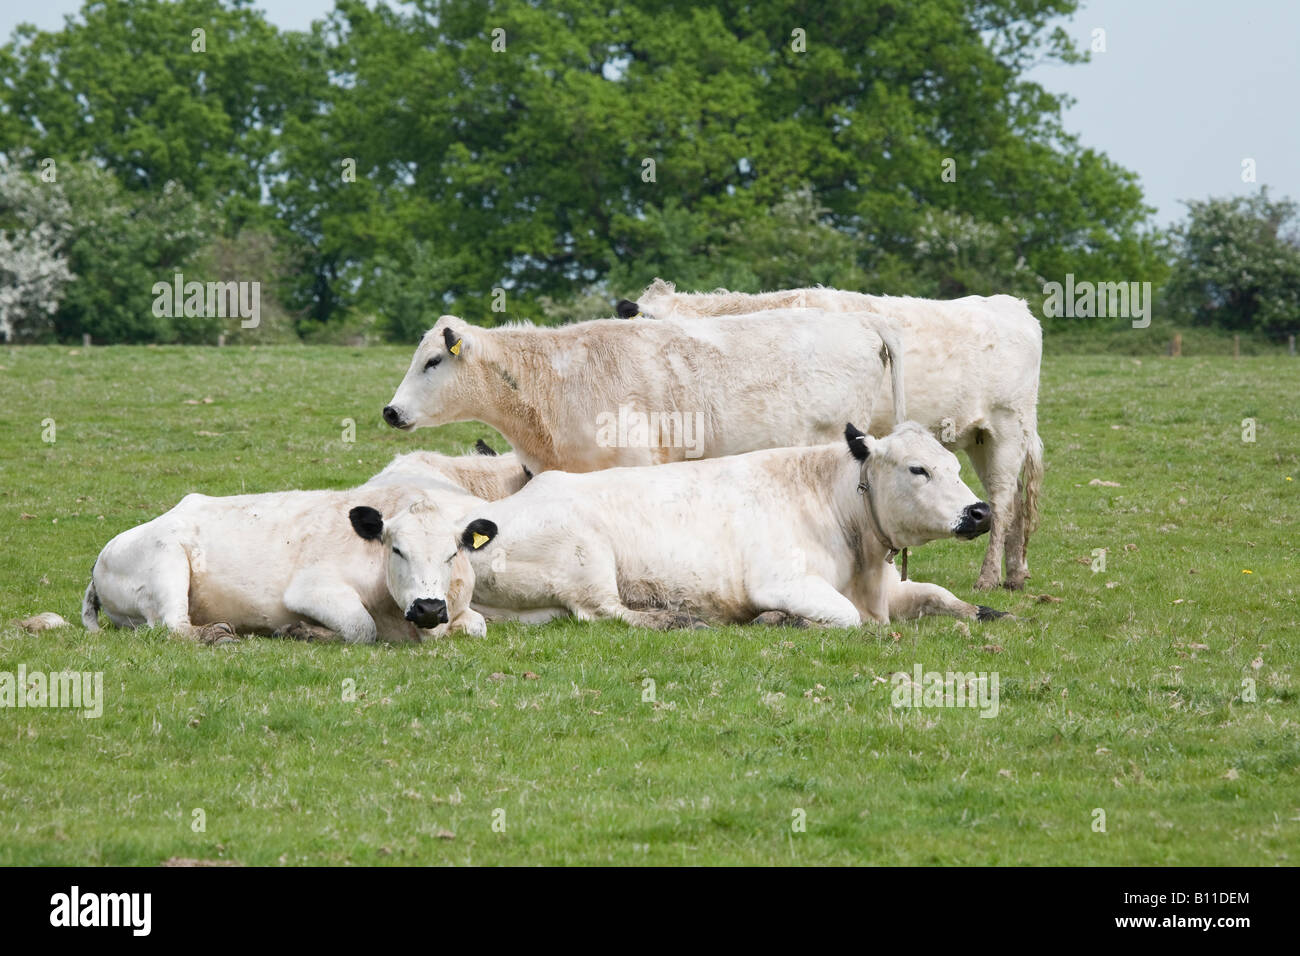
789 533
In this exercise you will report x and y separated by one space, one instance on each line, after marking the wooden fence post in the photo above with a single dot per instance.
1176 348
1236 346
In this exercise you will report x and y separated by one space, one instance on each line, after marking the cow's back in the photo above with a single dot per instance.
964 359
736 384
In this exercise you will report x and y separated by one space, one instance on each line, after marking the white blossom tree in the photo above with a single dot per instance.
34 274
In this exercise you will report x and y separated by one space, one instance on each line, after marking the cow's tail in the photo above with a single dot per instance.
1032 481
892 354
90 607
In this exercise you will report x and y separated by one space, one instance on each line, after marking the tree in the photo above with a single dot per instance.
188 91
118 244
1237 265
549 150
34 273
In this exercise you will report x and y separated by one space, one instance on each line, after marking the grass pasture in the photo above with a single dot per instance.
1130 695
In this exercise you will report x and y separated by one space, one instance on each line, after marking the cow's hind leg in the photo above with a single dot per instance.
303 631
658 620
166 600
781 619
1017 542
605 603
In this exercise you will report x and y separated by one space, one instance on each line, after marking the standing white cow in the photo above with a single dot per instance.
385 560
972 367
601 394
804 533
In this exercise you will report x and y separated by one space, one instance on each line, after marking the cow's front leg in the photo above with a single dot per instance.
913 599
808 597
469 622
333 604
998 462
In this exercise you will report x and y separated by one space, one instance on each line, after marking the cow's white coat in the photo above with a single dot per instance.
775 379
728 539
971 367
263 562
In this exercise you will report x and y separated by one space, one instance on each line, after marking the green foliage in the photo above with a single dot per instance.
413 159
528 168
1237 265
117 244
121 244
254 255
405 289
126 86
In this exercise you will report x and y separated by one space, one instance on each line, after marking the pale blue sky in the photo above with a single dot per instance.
1185 91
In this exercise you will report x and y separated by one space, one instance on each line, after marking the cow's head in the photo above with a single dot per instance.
441 384
915 487
425 561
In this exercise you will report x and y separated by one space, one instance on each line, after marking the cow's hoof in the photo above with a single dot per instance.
782 619
983 613
302 631
1015 583
216 635
989 583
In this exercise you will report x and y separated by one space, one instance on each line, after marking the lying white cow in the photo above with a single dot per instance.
971 368
381 561
485 475
601 394
807 533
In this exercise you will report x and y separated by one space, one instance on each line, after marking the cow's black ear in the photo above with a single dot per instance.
452 339
627 309
857 442
478 533
528 474
483 448
367 522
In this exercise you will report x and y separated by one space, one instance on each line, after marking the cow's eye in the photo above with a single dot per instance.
918 470
432 363
398 553
450 558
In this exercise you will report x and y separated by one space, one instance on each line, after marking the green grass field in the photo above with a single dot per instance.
1131 695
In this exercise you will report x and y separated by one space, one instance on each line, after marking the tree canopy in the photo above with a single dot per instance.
415 159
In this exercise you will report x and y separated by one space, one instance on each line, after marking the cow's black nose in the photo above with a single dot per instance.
427 612
392 416
980 513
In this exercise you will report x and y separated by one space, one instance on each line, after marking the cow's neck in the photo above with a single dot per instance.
869 548
515 407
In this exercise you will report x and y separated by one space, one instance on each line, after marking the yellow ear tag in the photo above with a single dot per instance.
480 540
455 349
